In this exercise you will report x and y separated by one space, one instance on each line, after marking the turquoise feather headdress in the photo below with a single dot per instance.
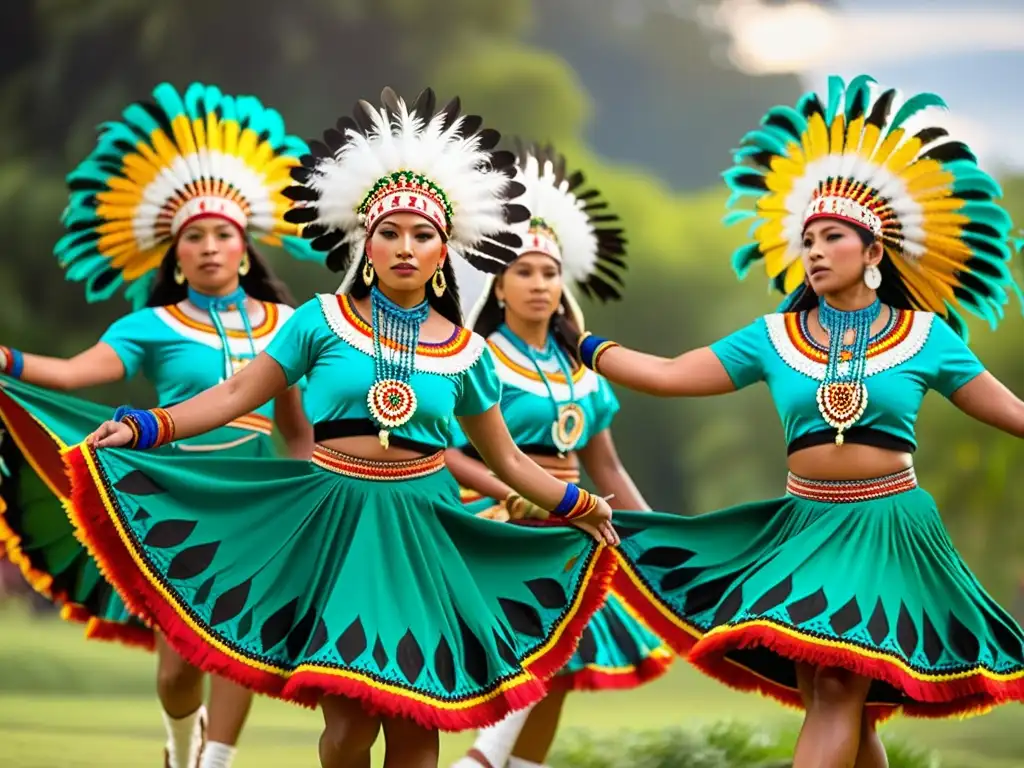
922 194
165 163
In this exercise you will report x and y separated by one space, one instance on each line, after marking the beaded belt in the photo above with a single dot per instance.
365 469
840 491
467 496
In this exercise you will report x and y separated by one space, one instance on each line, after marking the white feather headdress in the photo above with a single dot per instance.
569 224
440 164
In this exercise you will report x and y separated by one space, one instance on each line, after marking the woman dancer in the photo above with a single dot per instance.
356 582
845 596
164 206
560 415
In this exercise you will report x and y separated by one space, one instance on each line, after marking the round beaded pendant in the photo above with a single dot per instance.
392 403
567 429
842 404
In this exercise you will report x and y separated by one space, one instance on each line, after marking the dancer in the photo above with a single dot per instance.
356 582
845 596
163 207
559 414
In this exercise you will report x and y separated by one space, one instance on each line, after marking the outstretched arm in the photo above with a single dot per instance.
489 434
97 365
295 427
260 381
697 373
987 399
602 463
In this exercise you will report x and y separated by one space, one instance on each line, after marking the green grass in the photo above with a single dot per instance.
68 702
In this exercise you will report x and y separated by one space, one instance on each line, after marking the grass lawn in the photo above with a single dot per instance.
72 703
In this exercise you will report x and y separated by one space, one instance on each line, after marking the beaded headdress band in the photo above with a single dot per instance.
855 157
440 164
165 163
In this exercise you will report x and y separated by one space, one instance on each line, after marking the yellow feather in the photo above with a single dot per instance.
817 135
163 147
904 156
794 277
109 243
853 135
144 262
264 152
777 260
950 246
887 146
942 204
944 218
247 145
869 140
229 136
795 152
199 131
925 172
182 128
112 210
213 132
928 295
837 139
272 240
772 203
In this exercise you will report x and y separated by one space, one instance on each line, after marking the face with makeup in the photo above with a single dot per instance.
531 287
209 251
836 253
405 249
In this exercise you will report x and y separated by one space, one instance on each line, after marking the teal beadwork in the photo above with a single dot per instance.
842 395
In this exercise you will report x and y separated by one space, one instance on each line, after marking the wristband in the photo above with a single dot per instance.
12 362
575 503
591 348
150 429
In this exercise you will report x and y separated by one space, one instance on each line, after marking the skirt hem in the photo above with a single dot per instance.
599 679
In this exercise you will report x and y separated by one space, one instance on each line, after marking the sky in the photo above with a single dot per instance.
972 58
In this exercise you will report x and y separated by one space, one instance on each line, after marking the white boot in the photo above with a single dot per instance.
184 739
217 755
518 762
493 745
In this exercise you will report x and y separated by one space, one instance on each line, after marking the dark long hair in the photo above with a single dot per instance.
259 282
447 304
890 292
561 325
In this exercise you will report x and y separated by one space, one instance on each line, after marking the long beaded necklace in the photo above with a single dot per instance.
217 304
567 428
842 395
396 335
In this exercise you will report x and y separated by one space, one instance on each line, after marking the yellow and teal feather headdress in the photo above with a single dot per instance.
920 193
164 163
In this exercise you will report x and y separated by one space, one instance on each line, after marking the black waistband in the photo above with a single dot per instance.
529 450
858 435
329 430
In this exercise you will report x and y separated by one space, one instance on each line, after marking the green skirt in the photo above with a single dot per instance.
35 531
860 576
616 652
340 576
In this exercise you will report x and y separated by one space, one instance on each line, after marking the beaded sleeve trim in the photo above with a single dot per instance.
903 341
450 358
516 370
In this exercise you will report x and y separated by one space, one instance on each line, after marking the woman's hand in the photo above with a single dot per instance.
111 434
599 524
498 513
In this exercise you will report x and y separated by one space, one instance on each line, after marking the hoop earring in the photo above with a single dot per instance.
179 276
438 282
368 272
244 265
872 277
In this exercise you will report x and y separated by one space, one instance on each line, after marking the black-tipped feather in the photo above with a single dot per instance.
425 104
880 111
299 192
487 139
516 214
361 113
950 151
304 215
928 135
328 241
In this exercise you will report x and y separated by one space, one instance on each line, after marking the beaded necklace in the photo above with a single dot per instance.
567 428
842 395
217 304
396 335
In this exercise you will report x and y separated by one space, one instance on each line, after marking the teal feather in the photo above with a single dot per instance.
912 106
836 89
858 84
977 182
743 258
136 116
735 217
93 294
294 147
764 140
788 115
82 269
302 248
138 291
169 100
734 179
229 110
988 213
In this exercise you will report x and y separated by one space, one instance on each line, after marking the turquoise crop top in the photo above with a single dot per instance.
182 356
332 346
917 351
526 403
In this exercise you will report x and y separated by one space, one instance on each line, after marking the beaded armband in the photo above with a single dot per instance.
150 429
575 503
11 362
591 348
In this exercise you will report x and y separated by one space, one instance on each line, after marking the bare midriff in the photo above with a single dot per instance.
850 461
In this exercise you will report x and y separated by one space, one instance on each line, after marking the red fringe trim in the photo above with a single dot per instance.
626 585
932 699
595 679
306 687
130 635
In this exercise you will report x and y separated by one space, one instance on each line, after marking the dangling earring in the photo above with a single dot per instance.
179 276
438 282
561 308
244 265
501 303
368 272
872 277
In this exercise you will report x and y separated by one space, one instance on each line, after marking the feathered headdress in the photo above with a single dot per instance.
167 162
921 194
570 224
438 163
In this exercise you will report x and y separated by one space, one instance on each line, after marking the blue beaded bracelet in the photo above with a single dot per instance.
568 502
15 362
591 348
145 425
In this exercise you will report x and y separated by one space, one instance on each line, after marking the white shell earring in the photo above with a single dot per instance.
501 303
872 277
